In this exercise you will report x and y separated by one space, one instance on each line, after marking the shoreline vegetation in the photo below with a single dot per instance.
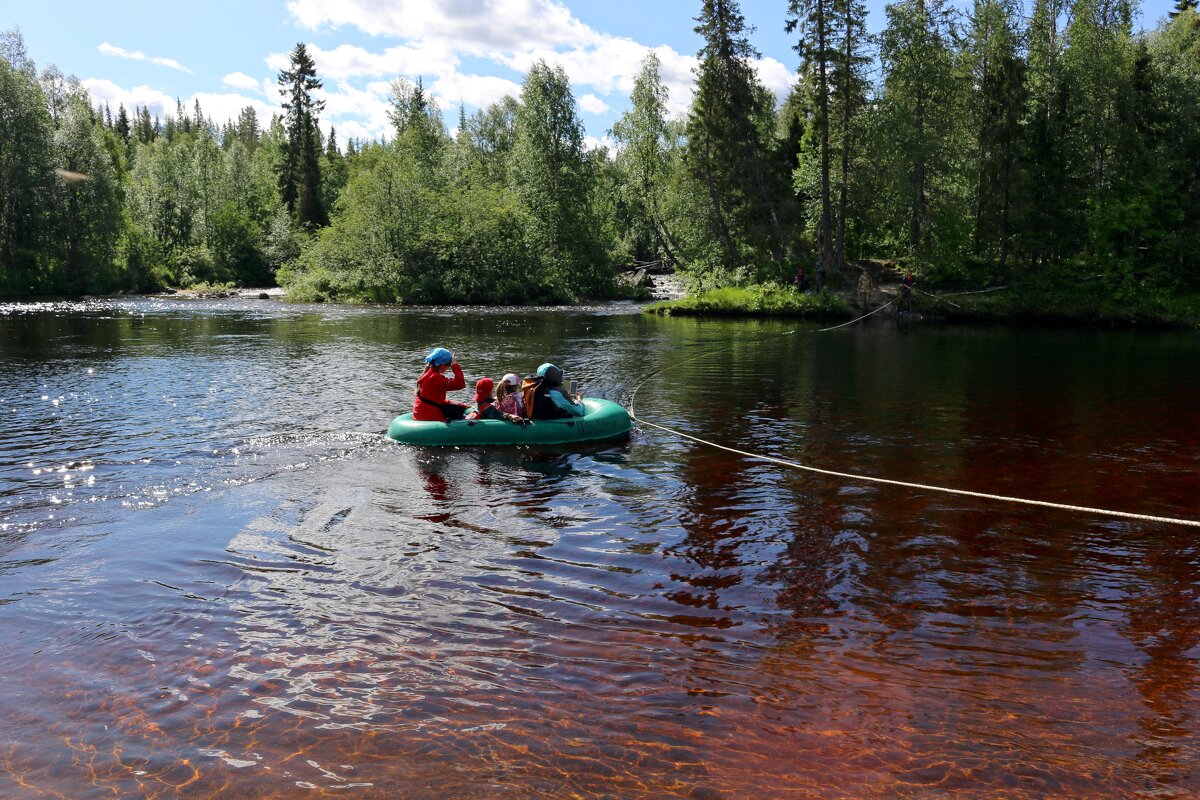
1031 145
1088 301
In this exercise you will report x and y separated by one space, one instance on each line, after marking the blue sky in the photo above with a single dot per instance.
227 54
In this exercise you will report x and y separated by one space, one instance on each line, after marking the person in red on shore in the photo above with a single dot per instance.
429 400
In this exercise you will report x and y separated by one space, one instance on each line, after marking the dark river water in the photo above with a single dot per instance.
218 580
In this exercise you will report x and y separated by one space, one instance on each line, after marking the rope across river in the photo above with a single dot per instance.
1102 512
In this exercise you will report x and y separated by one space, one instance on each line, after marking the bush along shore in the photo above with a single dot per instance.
1087 300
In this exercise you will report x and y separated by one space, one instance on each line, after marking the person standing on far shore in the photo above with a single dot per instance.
906 290
864 289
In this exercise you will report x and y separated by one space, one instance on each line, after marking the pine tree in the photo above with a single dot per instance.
418 123
90 210
300 169
144 127
334 171
849 96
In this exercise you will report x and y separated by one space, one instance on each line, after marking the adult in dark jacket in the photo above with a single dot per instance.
545 398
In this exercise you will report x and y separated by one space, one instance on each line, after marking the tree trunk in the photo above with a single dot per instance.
848 67
823 88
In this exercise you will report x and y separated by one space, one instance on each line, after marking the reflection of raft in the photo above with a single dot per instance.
604 420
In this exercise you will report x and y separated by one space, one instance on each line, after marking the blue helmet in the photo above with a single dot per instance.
552 374
438 356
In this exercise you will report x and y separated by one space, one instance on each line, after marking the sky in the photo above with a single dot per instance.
227 54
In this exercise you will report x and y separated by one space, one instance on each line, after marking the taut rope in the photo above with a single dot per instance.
1102 512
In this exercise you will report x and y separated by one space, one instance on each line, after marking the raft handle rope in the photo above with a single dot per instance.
1102 512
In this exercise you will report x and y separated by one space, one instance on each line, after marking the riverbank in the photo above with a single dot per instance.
1085 303
756 301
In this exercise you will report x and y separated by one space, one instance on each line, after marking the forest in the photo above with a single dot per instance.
997 144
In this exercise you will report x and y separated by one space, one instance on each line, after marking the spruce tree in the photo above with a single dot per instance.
300 167
814 20
998 75
1182 7
725 151
849 96
144 128
920 113
121 125
247 129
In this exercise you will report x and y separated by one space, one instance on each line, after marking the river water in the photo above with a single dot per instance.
217 579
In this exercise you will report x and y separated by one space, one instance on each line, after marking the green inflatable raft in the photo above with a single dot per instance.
604 420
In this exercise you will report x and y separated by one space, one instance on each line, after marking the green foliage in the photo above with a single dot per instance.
552 178
920 137
27 187
648 143
761 300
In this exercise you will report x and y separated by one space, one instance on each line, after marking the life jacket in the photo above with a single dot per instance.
537 404
451 411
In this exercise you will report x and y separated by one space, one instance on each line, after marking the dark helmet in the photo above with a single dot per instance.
550 373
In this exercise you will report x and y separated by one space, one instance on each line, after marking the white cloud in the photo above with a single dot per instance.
349 61
510 33
364 112
472 26
607 64
353 129
592 104
240 80
105 91
431 39
221 108
475 90
137 55
592 143
775 76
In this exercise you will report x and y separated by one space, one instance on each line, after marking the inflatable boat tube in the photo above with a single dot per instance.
603 420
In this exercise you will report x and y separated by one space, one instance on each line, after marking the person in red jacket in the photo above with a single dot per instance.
429 401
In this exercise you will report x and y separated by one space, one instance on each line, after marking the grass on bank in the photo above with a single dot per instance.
756 301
